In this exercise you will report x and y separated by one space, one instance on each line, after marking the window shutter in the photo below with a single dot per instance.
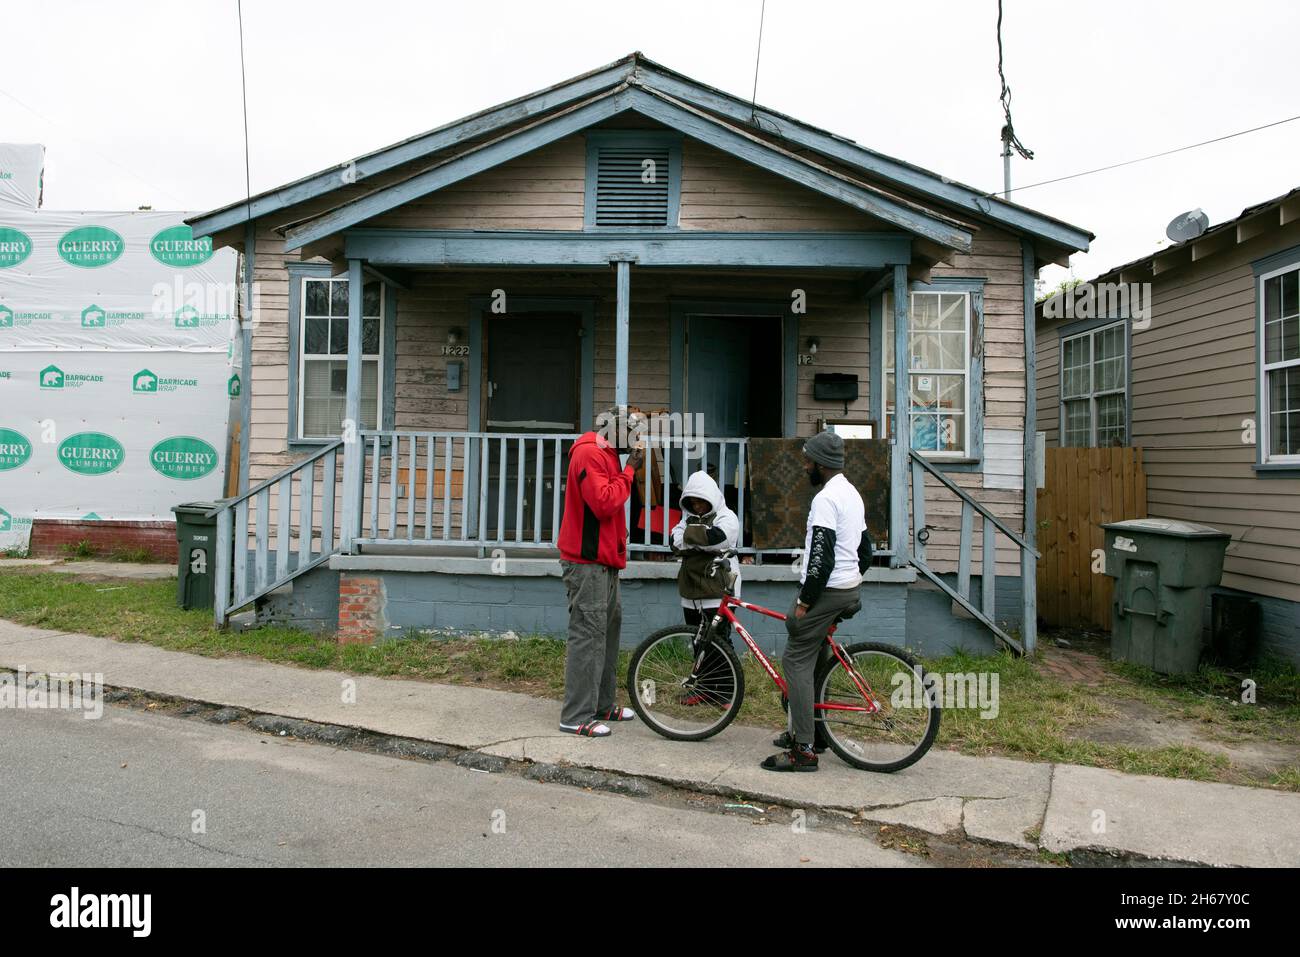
623 196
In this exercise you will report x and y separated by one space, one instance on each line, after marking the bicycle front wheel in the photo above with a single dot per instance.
898 733
684 689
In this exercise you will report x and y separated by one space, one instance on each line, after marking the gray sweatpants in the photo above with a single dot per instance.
591 655
805 646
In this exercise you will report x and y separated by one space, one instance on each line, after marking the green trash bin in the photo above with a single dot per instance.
1161 569
196 548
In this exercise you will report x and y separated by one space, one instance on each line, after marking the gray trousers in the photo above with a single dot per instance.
806 646
591 654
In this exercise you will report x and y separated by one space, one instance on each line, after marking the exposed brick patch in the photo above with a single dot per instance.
361 609
50 536
1076 667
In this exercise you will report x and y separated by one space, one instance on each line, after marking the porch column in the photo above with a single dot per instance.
622 325
900 466
1028 562
353 447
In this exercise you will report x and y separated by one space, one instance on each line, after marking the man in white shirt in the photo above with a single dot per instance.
837 551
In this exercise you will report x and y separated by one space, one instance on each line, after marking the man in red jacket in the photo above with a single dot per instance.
593 547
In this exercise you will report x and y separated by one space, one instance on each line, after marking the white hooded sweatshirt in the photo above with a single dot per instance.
700 485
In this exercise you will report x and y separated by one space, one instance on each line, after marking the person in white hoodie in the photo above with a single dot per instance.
707 528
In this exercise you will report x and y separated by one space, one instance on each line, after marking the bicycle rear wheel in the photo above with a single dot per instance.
682 688
892 738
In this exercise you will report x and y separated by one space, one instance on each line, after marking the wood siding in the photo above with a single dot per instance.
544 190
1192 392
996 258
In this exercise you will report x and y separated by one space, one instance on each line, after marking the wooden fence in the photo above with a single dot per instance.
1082 489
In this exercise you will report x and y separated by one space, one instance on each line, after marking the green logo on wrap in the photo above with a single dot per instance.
51 378
91 453
6 521
176 246
92 317
144 381
15 449
90 247
183 457
15 246
6 317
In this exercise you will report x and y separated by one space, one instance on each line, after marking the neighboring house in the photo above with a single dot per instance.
471 297
1202 371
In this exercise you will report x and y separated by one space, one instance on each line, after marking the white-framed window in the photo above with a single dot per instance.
1094 388
1279 429
323 356
939 333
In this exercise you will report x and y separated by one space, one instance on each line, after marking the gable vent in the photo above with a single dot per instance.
623 197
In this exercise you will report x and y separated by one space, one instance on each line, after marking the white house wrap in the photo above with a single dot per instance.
115 366
22 166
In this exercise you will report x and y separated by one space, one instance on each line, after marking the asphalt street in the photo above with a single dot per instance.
137 789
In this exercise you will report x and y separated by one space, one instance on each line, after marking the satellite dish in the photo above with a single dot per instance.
1187 225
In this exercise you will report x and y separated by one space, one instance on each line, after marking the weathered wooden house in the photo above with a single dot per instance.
434 322
1193 354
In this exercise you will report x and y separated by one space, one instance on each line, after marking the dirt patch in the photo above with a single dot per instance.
1139 724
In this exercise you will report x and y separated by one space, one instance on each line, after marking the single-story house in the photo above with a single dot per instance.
1193 354
433 324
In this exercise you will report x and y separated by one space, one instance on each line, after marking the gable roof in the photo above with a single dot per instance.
654 90
867 198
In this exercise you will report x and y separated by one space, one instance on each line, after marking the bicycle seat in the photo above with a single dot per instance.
849 612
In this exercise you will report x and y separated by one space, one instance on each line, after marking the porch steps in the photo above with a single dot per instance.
306 507
962 596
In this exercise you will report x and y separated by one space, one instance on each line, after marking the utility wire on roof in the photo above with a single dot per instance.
753 103
758 53
1142 159
243 84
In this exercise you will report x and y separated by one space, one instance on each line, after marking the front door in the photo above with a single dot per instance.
533 361
733 374
532 380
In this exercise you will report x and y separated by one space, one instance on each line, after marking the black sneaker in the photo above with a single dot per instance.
786 740
796 760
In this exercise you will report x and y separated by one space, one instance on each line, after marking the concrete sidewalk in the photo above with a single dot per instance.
1061 808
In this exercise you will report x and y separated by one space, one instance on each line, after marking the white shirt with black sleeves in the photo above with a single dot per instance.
837 549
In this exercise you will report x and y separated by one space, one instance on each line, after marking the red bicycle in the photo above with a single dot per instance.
871 700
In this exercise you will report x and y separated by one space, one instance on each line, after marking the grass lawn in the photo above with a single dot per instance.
1040 717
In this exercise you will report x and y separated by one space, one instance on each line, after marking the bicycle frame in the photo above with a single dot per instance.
724 611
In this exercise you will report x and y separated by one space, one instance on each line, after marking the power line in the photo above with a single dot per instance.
753 103
100 155
243 84
1009 138
1143 159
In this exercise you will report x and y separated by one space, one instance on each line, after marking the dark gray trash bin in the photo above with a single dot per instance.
1161 569
196 547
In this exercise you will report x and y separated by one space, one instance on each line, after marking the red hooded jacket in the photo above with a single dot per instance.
593 528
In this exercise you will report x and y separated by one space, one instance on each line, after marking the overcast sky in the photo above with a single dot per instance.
139 102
